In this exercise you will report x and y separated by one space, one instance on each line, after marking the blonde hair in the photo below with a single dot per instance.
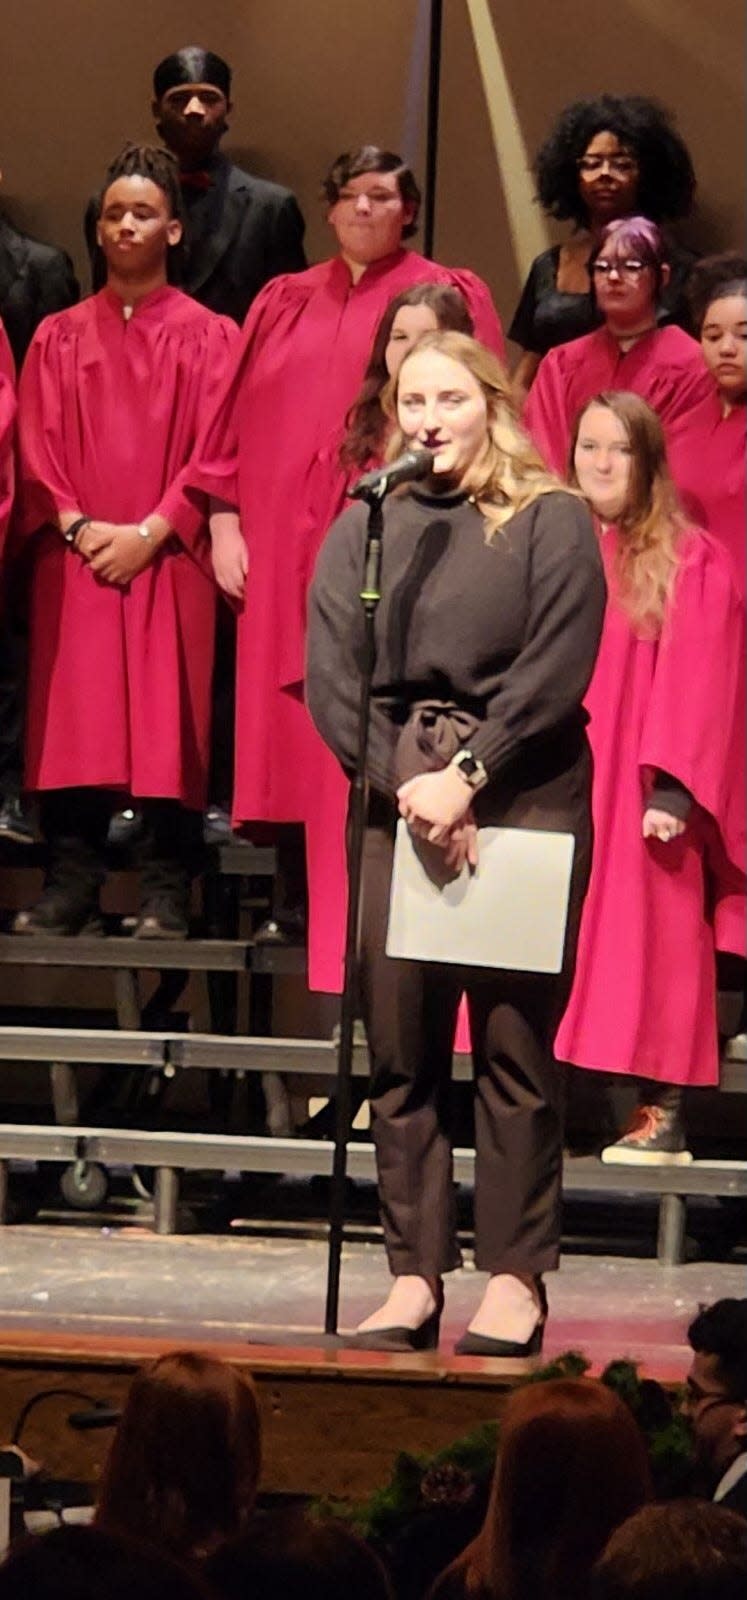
647 557
507 474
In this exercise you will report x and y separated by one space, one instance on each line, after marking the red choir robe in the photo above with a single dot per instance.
305 345
665 367
644 995
120 677
7 421
707 460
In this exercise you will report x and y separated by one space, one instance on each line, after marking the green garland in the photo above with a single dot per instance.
450 1478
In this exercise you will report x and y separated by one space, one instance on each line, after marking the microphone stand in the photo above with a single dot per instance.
370 596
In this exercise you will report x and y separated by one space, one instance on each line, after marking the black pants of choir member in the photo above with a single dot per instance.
168 852
410 1009
224 707
13 656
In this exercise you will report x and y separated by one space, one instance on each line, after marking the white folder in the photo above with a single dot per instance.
510 911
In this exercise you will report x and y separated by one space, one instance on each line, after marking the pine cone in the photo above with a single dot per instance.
446 1485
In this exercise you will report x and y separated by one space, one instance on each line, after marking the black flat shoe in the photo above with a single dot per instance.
481 1344
402 1340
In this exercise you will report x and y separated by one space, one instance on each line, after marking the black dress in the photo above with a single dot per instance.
547 316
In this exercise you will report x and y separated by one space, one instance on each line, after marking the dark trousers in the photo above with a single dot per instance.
410 1009
75 823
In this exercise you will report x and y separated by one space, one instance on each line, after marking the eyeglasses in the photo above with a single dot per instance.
631 268
622 166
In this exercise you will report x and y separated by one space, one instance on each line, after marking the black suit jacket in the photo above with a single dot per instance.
736 1499
256 232
35 280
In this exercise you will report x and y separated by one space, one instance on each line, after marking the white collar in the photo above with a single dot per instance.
732 1476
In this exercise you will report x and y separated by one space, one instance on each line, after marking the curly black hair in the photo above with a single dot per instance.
711 279
720 1330
667 179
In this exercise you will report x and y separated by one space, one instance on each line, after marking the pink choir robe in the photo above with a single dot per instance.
305 345
644 995
120 677
7 422
665 367
707 461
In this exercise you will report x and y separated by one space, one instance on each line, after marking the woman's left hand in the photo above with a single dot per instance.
432 802
661 825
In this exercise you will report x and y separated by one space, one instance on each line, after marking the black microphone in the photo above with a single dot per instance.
102 1416
408 468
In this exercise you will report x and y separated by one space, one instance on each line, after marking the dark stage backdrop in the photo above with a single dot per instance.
315 76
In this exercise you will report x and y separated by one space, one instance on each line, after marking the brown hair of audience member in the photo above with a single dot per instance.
370 158
184 1464
365 422
298 1559
686 1550
71 1563
650 525
508 474
572 1465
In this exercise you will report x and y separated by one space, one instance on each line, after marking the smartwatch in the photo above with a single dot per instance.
470 769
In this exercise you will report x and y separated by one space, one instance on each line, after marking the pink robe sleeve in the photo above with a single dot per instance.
214 465
545 414
45 489
674 391
183 505
482 310
7 423
694 726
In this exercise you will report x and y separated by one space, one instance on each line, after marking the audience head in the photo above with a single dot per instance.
297 1559
184 1464
572 1465
686 1550
717 292
88 1564
140 222
191 101
373 202
618 460
629 268
610 156
425 308
717 1385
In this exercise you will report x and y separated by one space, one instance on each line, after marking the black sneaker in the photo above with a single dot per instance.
656 1137
125 827
15 824
216 826
161 919
58 915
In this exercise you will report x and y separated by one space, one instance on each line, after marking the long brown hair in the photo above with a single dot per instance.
365 422
572 1465
647 557
508 474
184 1463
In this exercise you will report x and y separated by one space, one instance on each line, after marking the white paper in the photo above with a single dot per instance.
510 912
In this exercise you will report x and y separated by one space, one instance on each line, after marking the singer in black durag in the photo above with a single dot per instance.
487 631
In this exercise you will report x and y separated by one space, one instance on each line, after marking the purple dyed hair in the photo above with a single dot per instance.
635 236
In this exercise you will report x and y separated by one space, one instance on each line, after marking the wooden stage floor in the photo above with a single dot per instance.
83 1305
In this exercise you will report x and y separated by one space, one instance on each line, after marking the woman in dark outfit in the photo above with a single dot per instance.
604 159
492 605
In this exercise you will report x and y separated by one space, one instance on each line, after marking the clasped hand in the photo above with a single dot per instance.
437 806
661 825
115 551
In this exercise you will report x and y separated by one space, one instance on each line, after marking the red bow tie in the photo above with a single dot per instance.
196 180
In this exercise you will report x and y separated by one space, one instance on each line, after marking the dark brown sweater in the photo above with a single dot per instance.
507 630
